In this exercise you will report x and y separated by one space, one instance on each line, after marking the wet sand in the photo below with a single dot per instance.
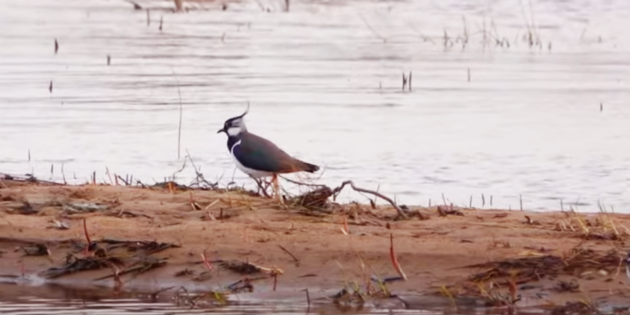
234 225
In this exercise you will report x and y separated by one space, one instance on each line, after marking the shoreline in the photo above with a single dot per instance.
162 232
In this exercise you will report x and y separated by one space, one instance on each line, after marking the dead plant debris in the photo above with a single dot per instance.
529 269
444 211
123 256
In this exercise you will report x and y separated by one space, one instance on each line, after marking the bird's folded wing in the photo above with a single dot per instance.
260 154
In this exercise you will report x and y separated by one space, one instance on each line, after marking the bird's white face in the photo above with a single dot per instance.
234 126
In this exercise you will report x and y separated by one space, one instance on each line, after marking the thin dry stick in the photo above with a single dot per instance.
200 178
181 109
123 180
260 186
181 169
337 190
297 261
301 183
372 30
109 175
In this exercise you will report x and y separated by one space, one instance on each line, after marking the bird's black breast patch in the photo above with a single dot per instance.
231 142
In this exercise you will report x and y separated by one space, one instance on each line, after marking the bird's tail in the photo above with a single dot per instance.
306 167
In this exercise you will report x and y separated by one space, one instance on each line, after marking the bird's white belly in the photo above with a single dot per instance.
246 170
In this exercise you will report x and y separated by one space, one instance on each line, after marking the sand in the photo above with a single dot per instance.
310 248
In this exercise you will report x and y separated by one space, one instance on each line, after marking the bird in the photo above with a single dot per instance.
259 157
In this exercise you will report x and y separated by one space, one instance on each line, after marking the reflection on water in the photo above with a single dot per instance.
22 300
68 300
324 81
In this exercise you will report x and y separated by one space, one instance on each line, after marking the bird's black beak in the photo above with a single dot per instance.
221 130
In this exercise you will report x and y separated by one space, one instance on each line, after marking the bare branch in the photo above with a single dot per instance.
337 190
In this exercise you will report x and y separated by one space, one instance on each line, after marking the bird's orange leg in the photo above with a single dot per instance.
276 188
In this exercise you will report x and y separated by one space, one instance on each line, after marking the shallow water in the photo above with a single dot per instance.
324 82
22 300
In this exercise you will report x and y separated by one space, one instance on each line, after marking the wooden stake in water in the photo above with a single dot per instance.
63 176
308 298
404 81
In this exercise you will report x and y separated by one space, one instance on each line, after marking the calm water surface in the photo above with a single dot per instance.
325 83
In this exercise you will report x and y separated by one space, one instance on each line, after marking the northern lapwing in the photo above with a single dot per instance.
259 157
